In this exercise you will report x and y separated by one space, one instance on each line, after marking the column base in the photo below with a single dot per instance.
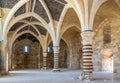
56 70
3 72
44 68
86 77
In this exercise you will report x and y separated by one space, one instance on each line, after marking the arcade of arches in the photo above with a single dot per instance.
55 34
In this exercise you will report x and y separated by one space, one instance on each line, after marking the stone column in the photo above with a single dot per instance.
3 56
3 60
56 59
2 53
45 60
39 50
1 33
87 40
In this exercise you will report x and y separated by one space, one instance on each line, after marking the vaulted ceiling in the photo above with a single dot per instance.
55 8
110 11
50 11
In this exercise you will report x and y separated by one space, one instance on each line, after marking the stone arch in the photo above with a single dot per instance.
11 13
15 37
62 18
16 7
68 27
24 33
20 17
18 52
95 7
101 25
15 34
106 29
73 54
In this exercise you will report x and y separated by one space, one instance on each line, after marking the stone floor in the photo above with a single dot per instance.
47 76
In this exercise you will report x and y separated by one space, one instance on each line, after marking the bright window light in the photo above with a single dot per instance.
26 48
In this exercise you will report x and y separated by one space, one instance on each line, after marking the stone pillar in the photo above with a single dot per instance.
56 59
3 60
45 60
1 29
39 50
3 56
87 40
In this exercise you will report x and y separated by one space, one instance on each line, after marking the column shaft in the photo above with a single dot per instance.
87 58
87 40
45 60
56 58
39 56
3 60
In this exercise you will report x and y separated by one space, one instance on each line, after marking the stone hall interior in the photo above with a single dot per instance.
59 41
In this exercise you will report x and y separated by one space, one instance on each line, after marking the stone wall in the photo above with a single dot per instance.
63 55
75 49
109 40
20 59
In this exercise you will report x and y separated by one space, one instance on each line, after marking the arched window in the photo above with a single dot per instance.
26 48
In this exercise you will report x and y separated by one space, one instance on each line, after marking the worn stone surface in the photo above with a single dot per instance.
66 76
87 37
107 34
70 18
100 46
33 30
41 11
63 56
32 1
16 26
55 8
21 10
20 59
27 36
73 39
31 19
34 19
41 29
29 28
23 29
62 1
8 3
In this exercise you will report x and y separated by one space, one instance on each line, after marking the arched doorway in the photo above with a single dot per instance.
107 60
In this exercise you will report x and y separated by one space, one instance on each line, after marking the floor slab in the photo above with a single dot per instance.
65 76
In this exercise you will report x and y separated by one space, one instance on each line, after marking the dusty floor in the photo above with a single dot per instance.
47 76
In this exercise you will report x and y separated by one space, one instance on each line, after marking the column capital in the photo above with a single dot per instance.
56 49
87 37
44 54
